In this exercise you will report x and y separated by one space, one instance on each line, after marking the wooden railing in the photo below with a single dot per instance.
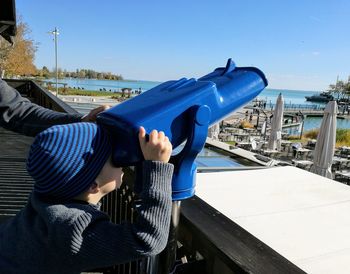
209 242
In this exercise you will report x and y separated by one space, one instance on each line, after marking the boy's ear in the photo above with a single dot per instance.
93 189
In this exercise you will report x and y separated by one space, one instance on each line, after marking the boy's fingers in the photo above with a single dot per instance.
166 140
142 132
168 144
161 136
142 135
153 136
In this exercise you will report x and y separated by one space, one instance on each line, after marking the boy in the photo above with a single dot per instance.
61 229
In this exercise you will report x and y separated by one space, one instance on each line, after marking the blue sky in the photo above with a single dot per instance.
300 44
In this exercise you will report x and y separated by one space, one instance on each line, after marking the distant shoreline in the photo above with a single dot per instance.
53 80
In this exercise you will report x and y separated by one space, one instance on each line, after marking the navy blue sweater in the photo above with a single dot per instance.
70 238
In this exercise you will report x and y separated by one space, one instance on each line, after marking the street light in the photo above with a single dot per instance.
55 33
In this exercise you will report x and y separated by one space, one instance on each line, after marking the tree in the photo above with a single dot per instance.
81 74
44 72
19 59
5 48
60 73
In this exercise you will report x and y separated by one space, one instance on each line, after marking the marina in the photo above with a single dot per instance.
250 143
295 101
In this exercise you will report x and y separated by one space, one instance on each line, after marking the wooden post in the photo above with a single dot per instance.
302 126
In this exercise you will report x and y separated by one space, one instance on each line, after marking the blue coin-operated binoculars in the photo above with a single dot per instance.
184 110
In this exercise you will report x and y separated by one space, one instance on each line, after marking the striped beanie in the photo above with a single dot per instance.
65 160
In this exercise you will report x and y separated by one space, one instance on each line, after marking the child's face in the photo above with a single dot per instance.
110 177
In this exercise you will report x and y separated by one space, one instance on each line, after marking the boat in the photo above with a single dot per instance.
321 97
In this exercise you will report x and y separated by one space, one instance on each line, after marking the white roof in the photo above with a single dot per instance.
301 215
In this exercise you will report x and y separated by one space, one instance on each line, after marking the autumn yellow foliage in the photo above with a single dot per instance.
342 136
246 124
19 58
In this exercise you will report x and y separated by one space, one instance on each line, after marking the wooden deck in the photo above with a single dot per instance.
15 183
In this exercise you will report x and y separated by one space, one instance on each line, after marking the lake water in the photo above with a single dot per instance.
289 96
109 85
315 122
270 95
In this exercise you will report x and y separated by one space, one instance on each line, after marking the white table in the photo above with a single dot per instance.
301 215
302 152
304 164
270 152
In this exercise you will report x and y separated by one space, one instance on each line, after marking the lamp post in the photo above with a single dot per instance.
55 33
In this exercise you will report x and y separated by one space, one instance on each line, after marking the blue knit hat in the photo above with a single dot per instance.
65 160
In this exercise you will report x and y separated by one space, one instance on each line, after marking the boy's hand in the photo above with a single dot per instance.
157 148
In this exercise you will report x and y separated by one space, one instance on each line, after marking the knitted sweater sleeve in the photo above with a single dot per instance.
103 243
22 116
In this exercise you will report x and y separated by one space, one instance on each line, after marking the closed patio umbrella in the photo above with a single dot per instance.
264 129
276 125
213 131
324 150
